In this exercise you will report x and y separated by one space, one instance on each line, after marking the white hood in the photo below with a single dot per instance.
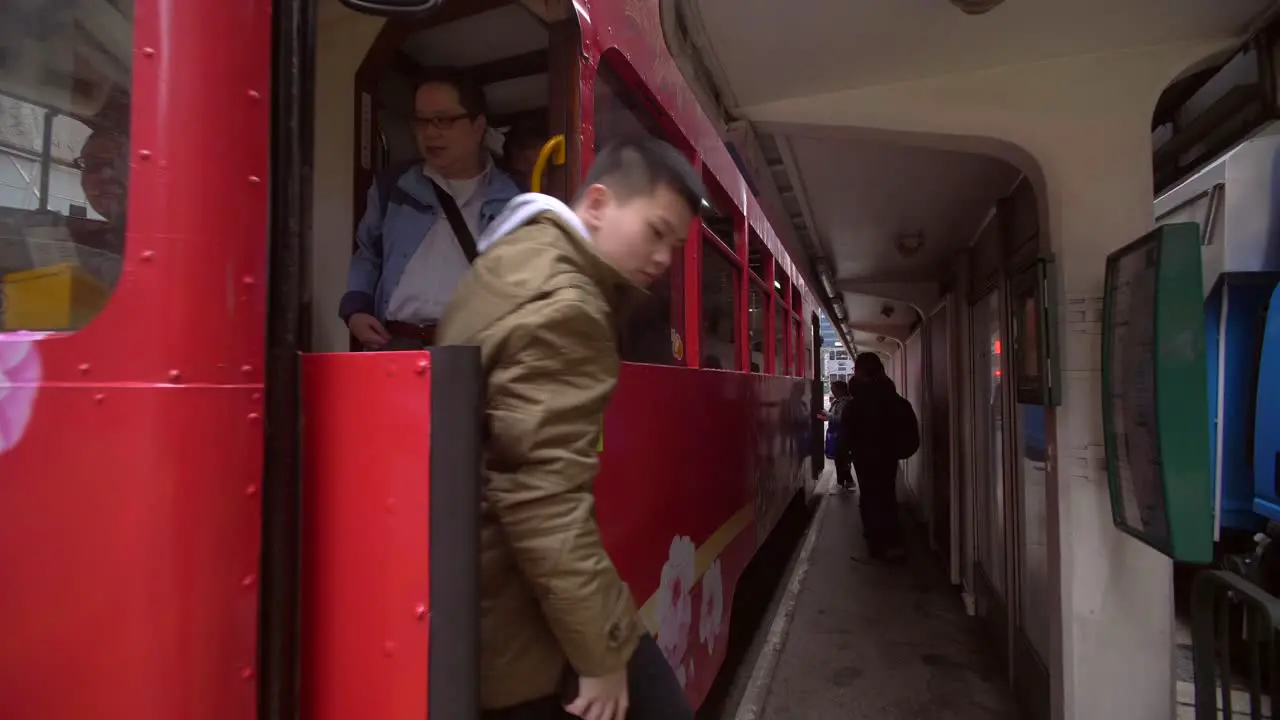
520 211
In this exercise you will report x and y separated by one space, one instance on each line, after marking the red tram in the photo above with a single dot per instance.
203 503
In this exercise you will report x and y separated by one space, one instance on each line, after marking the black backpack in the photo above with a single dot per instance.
905 428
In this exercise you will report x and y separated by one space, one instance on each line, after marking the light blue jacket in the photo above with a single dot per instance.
385 243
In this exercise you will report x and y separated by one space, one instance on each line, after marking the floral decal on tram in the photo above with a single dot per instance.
20 373
679 593
675 603
711 618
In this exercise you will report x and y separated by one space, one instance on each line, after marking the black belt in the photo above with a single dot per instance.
424 332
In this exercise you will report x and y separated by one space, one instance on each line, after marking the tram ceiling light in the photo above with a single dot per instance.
908 244
977 7
824 276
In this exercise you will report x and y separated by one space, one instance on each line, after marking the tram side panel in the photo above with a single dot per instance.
391 464
697 467
128 543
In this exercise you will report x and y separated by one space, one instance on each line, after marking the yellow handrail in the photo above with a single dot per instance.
553 152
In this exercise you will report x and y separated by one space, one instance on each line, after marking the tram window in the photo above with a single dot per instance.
64 124
649 336
717 213
719 339
797 343
758 257
619 112
781 319
779 339
755 325
655 330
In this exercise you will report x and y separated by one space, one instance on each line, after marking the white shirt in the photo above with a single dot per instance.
431 277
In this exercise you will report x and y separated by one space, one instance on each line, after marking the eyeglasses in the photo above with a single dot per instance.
441 122
85 163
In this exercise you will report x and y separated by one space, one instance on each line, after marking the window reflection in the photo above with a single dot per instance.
755 326
719 310
64 123
779 339
989 443
653 333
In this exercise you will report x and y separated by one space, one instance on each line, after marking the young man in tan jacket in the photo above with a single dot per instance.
560 634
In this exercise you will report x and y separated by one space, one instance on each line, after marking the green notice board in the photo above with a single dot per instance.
1155 406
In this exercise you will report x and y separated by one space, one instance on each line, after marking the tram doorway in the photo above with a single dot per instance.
521 56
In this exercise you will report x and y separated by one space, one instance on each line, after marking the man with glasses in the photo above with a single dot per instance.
104 167
417 236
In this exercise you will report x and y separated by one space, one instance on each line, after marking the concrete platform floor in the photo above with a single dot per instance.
880 641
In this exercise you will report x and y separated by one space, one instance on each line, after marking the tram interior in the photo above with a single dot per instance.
505 49
522 54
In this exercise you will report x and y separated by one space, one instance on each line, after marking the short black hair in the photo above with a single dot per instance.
470 95
869 365
637 166
839 386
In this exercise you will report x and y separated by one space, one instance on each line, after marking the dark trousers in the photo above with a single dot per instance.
878 502
844 470
654 693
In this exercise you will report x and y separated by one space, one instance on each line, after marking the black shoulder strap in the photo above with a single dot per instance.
454 215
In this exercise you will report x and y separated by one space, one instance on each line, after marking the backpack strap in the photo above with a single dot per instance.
461 232
389 190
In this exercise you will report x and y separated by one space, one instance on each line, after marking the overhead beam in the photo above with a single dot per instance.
897 332
486 73
549 11
922 296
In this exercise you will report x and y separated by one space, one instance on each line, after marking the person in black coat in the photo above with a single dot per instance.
878 428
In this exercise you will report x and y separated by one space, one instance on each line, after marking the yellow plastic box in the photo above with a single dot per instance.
56 297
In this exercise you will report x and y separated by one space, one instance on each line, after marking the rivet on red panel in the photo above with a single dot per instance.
148 52
247 280
422 367
147 255
420 611
253 417
83 368
248 581
251 490
97 399
144 154
388 648
175 375
256 397
246 369
255 95
254 179
246 674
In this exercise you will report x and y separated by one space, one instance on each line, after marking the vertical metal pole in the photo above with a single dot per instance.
46 158
288 330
